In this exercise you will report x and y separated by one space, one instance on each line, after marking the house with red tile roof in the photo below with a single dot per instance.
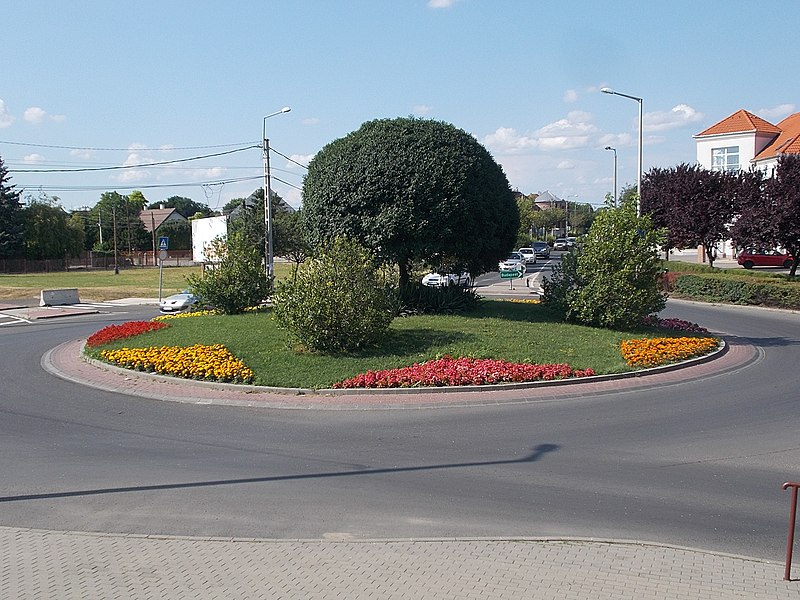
743 141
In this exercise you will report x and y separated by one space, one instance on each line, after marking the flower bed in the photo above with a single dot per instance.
653 352
214 363
448 371
674 324
183 315
111 333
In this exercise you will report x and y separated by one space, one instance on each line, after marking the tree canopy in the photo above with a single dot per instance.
185 206
49 230
412 190
770 209
12 229
694 204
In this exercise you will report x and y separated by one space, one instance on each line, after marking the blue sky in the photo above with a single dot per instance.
93 84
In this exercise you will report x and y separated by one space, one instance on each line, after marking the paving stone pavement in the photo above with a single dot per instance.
40 564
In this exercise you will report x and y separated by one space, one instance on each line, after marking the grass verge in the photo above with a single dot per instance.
515 332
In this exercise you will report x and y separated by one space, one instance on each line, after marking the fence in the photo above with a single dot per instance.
93 260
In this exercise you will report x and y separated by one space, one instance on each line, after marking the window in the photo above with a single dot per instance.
725 159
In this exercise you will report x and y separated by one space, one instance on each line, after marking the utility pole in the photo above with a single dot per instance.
114 223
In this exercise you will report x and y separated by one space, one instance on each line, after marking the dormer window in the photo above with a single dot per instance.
725 159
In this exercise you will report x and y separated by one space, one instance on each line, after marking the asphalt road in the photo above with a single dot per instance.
699 463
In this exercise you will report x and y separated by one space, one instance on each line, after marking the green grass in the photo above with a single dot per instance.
99 285
504 330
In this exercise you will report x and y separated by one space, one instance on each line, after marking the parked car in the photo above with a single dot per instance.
750 258
178 302
514 262
541 249
444 279
529 255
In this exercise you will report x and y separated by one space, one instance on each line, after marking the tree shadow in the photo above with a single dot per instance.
536 453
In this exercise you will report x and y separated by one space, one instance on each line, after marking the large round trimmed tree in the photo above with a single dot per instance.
412 190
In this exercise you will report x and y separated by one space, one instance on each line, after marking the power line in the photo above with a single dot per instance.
289 159
92 188
138 166
126 149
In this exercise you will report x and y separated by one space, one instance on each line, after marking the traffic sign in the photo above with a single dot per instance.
510 274
163 243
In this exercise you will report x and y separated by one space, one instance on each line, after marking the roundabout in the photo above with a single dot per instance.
684 466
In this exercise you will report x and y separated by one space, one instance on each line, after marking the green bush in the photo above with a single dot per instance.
419 299
336 303
709 288
612 280
237 282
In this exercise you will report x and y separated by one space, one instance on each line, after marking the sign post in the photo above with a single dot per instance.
163 246
512 275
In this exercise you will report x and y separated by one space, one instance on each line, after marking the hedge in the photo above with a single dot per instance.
710 288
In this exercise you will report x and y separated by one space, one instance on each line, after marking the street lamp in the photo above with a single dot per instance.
268 259
566 214
615 172
606 90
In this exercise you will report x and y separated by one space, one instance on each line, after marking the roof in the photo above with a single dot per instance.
153 218
741 121
787 142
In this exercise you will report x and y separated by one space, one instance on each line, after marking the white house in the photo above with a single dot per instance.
744 141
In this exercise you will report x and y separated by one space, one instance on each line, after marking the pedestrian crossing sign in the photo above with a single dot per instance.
163 243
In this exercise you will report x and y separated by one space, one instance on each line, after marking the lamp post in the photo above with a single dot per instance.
606 90
268 259
566 214
615 172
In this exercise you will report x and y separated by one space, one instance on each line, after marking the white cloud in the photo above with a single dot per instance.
565 164
575 131
310 121
570 96
506 140
679 116
33 159
6 119
776 112
303 159
441 3
84 154
421 109
34 114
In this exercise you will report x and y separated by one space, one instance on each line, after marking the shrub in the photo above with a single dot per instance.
416 298
612 281
336 302
237 281
778 294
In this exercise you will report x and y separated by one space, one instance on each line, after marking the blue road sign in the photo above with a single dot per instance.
163 243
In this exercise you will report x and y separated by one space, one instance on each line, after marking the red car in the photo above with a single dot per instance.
764 258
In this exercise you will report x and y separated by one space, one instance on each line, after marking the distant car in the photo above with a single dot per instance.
178 302
445 279
541 249
750 258
529 255
514 262
560 244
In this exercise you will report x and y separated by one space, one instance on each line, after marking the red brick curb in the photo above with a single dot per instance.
67 362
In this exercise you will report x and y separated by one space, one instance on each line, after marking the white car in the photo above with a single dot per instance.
178 302
514 262
529 255
445 279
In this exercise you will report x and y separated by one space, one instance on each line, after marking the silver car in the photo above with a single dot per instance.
178 302
514 262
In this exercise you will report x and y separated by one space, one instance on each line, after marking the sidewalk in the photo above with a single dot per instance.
36 564
70 565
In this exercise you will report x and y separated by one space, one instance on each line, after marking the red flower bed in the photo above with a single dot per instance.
674 324
112 333
460 371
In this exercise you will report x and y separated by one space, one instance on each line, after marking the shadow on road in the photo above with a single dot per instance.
536 453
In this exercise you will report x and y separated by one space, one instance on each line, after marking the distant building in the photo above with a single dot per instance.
156 217
743 141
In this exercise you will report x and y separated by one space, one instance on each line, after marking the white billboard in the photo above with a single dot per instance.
203 232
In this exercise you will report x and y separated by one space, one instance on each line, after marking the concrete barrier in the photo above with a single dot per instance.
58 297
